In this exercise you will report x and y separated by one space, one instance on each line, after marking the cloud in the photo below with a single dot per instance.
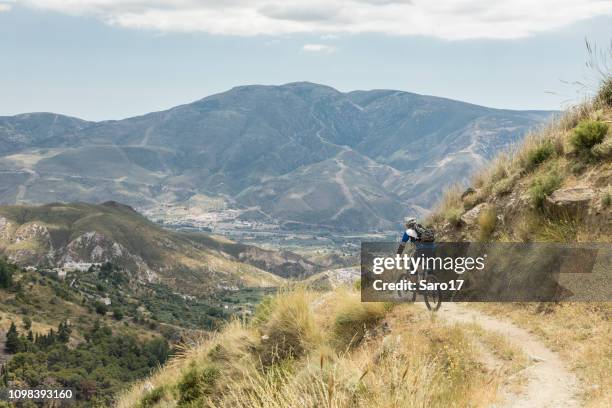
446 19
4 7
319 48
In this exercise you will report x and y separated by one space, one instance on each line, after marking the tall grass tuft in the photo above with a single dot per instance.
604 96
487 220
290 329
353 319
450 208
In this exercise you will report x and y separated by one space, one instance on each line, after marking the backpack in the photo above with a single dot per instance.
428 235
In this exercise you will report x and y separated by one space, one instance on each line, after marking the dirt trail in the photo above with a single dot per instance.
549 383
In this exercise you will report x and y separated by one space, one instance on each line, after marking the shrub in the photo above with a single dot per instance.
101 308
152 398
504 186
539 154
117 313
453 215
196 383
487 219
587 134
603 150
543 186
263 311
472 200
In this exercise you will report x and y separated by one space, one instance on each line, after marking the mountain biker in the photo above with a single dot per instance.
413 233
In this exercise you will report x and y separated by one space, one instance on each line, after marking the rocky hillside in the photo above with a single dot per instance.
331 349
556 188
300 155
63 235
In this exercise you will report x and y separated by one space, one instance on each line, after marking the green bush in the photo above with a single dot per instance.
504 186
151 398
117 313
543 186
101 308
587 134
197 383
539 154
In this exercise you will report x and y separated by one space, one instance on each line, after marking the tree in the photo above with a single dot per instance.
101 308
63 332
12 339
27 323
6 275
117 313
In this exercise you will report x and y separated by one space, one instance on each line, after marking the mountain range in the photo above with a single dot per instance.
78 234
300 155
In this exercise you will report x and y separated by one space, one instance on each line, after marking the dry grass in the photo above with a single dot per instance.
606 200
580 332
513 357
450 207
290 329
425 366
419 364
542 145
452 199
354 319
487 220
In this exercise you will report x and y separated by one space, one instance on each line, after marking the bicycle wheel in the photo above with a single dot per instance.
433 297
402 294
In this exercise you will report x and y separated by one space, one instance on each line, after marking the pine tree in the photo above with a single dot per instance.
63 332
6 278
12 339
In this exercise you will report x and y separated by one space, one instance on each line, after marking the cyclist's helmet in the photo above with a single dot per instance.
410 221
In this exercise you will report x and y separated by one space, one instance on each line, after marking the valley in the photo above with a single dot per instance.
266 262
298 157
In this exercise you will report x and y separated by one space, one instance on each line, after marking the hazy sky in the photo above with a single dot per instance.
110 59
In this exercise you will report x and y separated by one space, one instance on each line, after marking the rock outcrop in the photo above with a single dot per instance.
573 201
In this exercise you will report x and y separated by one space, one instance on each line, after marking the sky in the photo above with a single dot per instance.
111 59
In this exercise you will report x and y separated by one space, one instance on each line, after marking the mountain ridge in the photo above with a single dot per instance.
239 146
62 235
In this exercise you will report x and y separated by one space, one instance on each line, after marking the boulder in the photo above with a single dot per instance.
573 201
470 217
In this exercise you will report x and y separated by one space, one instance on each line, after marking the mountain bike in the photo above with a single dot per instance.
432 297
